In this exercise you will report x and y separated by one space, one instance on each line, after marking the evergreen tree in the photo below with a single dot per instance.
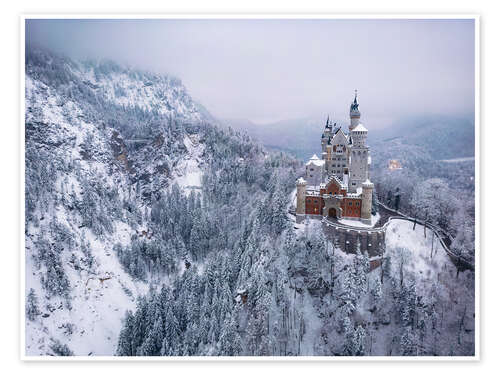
32 310
408 344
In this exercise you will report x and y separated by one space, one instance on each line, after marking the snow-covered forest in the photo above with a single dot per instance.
151 230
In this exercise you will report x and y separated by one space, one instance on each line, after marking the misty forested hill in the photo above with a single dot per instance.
299 137
441 137
436 138
151 231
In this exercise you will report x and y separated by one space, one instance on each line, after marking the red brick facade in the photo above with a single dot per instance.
314 205
351 207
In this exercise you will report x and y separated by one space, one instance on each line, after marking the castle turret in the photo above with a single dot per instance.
359 135
366 204
354 112
359 151
301 197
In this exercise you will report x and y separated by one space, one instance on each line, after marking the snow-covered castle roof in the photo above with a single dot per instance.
360 128
314 160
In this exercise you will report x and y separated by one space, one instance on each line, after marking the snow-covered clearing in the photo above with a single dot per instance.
400 235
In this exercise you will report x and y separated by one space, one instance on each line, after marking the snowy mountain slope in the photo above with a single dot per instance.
125 87
85 192
82 320
436 279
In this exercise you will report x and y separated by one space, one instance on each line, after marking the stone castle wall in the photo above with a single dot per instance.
371 240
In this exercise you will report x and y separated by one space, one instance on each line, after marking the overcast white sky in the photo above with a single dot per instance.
268 70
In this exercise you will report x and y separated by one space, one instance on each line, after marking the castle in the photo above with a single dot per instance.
338 185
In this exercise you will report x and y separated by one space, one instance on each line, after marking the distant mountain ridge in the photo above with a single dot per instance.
443 137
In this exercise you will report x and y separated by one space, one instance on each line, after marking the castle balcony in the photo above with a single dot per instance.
333 197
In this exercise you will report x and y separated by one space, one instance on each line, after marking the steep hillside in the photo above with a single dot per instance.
86 190
116 163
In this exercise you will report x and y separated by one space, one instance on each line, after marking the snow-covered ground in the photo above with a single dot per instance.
188 172
307 226
400 235
458 160
92 325
357 223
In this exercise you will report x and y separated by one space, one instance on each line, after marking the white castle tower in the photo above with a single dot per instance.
359 151
355 114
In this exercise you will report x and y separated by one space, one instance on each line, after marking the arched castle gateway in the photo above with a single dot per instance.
338 184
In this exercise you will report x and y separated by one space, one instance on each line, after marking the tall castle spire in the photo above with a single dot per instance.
355 114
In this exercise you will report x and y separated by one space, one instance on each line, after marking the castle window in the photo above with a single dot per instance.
350 203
